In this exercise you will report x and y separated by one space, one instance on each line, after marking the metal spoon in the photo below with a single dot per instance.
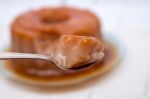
15 55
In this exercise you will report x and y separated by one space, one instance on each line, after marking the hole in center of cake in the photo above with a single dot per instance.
52 20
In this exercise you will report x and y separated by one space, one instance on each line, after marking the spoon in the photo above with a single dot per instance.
15 55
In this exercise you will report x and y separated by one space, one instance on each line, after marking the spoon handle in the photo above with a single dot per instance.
15 55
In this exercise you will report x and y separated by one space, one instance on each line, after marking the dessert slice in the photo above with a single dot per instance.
76 51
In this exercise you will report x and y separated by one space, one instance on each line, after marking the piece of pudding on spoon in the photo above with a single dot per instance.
77 51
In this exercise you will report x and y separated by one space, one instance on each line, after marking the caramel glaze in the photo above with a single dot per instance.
60 75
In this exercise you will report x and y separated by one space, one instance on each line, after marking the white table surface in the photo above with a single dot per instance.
128 20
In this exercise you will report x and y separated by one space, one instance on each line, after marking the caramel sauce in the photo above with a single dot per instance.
60 75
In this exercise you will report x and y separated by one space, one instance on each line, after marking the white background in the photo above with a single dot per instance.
128 20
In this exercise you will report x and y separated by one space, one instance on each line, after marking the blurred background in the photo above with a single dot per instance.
128 20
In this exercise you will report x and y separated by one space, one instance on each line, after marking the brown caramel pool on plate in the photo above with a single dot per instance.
60 78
